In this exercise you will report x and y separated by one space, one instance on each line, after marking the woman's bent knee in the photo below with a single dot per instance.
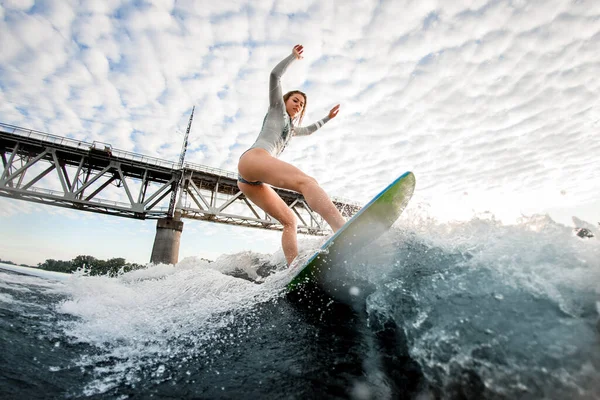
291 223
289 220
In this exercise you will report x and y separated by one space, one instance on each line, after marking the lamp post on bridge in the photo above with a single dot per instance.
168 230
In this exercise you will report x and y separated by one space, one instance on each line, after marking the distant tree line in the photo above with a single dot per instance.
94 266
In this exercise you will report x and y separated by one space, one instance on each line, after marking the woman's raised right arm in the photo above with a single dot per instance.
275 92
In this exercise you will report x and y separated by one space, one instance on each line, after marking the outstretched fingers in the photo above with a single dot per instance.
334 111
298 49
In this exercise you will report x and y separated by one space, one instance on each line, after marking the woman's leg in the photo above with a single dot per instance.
266 198
259 165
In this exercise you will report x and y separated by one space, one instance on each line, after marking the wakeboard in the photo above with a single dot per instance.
366 225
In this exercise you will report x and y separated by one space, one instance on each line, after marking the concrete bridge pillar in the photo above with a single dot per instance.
166 241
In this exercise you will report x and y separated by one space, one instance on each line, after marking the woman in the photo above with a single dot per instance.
259 167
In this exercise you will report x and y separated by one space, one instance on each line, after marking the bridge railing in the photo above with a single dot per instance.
81 145
210 170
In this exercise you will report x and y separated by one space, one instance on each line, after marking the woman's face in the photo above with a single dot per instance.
294 105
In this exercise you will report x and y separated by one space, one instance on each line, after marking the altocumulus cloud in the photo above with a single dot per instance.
493 104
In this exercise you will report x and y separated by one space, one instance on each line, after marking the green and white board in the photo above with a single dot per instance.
368 224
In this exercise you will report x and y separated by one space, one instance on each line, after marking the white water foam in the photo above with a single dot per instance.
142 317
454 267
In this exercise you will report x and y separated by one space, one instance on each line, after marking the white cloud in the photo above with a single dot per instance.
231 29
96 62
19 5
99 6
151 19
91 29
205 8
59 14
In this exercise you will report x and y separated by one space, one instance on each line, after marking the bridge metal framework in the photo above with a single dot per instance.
64 172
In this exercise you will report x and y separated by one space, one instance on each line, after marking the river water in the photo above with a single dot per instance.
471 310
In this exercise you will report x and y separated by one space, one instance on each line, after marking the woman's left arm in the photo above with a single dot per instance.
307 130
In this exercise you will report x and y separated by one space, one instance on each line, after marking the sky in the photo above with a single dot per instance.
492 104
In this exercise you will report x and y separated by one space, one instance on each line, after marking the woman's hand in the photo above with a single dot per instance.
298 49
334 111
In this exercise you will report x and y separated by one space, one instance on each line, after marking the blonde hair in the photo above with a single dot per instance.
288 95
